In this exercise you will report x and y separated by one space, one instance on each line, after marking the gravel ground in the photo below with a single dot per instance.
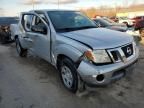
33 83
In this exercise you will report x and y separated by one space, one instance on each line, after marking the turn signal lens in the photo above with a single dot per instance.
89 55
97 56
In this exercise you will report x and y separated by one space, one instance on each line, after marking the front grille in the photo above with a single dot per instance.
128 50
121 53
115 55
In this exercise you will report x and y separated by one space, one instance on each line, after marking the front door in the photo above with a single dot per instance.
39 40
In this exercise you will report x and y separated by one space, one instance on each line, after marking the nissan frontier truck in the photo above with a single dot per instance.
79 50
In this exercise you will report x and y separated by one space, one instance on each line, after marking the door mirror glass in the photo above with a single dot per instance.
26 22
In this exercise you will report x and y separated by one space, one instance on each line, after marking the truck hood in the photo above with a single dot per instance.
99 38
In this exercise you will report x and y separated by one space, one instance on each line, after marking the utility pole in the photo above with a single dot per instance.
33 4
58 4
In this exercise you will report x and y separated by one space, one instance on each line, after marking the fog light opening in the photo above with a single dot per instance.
100 78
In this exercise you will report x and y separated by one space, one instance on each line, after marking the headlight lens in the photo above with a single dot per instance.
97 56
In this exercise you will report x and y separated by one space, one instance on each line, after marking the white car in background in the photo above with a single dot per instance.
135 33
127 21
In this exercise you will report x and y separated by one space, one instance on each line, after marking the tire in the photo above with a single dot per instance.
68 74
21 51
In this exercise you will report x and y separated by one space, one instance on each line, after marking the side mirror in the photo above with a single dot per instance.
98 24
39 29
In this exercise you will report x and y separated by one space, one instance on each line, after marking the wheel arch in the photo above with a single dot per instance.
67 51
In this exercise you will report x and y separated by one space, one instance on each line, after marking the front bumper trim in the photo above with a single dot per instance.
88 72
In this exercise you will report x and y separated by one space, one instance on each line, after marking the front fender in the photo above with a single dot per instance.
69 51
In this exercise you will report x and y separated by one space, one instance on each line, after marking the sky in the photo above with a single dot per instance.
14 7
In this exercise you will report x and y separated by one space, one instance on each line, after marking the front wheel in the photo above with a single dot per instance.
68 75
21 51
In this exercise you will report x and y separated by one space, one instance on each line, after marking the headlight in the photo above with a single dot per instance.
97 56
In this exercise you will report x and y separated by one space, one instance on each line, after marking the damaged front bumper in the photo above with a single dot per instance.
105 74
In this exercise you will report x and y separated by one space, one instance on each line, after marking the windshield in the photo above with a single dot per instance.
64 21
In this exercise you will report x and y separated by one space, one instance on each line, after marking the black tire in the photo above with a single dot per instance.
21 51
70 64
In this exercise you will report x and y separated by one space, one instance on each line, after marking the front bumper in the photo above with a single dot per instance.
89 72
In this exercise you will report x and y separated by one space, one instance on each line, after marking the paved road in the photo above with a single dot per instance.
33 83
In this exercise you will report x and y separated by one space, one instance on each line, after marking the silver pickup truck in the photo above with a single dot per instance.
83 53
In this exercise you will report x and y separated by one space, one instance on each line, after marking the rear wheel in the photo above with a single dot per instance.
21 51
68 74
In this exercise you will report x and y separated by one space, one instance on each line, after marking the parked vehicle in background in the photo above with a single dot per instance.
142 32
83 54
138 18
135 33
5 35
129 22
140 27
109 24
115 19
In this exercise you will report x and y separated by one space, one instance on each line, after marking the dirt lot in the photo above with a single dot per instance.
33 83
